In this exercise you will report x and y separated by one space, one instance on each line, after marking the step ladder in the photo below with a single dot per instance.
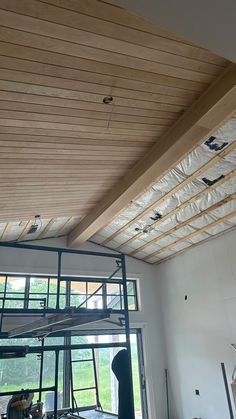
75 406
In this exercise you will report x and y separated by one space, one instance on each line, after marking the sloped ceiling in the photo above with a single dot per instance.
193 202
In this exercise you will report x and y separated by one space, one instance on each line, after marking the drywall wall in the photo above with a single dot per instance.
207 23
148 318
199 331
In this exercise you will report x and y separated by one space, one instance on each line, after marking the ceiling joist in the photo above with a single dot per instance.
210 111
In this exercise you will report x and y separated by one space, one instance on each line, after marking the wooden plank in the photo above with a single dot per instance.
91 115
50 142
201 230
85 22
24 153
77 128
103 80
104 48
68 148
184 205
216 105
113 70
85 88
20 87
75 135
95 55
178 187
88 122
78 106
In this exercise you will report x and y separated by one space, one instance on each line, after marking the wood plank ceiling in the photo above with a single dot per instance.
61 147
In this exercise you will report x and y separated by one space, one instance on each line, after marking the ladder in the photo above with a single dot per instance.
75 406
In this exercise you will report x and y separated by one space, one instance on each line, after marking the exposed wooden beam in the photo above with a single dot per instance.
211 110
196 233
181 185
180 208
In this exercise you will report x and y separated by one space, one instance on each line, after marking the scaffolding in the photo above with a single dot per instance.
56 322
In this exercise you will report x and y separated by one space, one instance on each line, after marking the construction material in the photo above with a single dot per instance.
231 415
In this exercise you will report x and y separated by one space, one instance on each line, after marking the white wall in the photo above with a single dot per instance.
207 23
22 261
199 332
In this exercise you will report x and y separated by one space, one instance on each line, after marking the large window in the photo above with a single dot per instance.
41 291
82 368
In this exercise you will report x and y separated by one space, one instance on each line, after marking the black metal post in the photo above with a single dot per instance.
96 379
41 372
67 358
167 395
127 328
27 291
58 279
3 303
56 383
231 415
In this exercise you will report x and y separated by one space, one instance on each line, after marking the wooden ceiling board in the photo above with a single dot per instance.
61 147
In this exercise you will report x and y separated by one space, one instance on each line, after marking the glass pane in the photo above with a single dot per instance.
94 287
49 374
113 289
95 301
15 284
37 301
131 288
14 301
76 300
132 303
53 286
38 285
85 398
52 301
81 354
10 379
2 283
83 374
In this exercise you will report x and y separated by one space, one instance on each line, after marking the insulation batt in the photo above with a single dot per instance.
194 161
